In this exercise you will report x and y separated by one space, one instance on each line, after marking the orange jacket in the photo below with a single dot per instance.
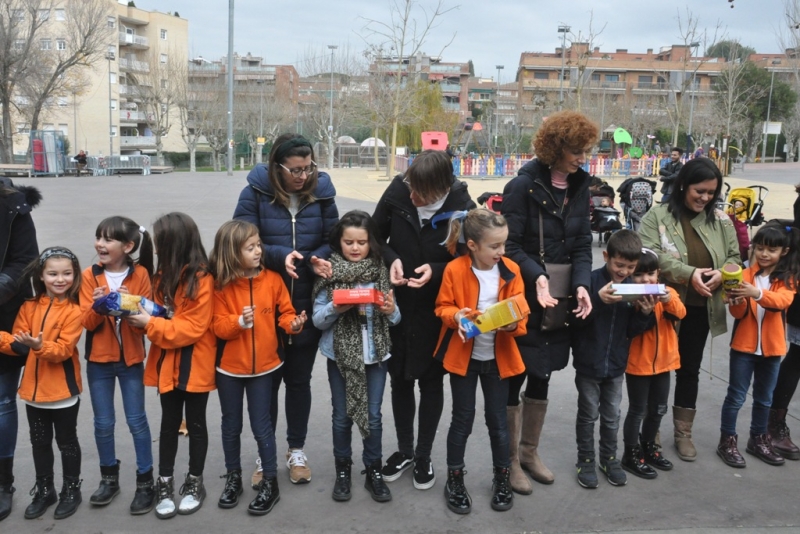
460 289
656 350
775 301
102 343
251 351
52 373
183 347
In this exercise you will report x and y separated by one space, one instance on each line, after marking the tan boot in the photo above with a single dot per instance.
533 412
519 480
683 418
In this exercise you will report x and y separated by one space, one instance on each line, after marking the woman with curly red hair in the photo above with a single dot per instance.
553 189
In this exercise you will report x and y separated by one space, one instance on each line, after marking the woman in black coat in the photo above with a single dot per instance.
412 217
555 185
18 248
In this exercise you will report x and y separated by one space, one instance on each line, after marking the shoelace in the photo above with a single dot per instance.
230 485
297 458
163 491
190 487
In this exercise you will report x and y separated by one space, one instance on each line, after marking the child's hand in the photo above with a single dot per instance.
341 308
509 327
460 314
248 315
607 295
299 321
388 303
140 320
123 289
99 292
26 339
665 298
746 289
646 304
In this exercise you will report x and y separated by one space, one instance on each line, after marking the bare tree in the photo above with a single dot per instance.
581 56
403 35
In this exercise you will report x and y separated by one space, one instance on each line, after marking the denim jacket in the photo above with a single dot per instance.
324 318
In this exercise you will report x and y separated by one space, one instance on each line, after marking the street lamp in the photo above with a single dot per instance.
330 121
563 30
110 57
769 106
230 87
260 121
497 108
689 136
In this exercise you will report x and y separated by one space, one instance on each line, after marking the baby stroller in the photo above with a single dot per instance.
636 199
492 201
747 204
604 218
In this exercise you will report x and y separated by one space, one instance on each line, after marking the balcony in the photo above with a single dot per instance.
137 141
129 90
451 106
532 84
452 88
608 86
137 41
132 116
651 87
133 65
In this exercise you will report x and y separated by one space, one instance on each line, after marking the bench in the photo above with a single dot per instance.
738 163
17 169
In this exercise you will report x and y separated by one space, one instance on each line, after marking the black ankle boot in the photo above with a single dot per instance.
341 488
458 499
268 496
6 486
502 496
375 484
653 456
44 496
633 462
109 485
233 489
144 499
69 498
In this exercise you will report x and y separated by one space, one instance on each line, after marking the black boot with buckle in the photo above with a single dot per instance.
69 498
109 485
144 499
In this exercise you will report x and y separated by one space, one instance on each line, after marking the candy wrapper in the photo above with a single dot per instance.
123 304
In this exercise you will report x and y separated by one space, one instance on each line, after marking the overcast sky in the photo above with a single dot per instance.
489 33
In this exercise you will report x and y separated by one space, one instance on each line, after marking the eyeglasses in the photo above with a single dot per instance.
298 172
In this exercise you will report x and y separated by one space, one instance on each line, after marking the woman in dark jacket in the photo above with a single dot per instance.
412 216
555 186
18 248
293 206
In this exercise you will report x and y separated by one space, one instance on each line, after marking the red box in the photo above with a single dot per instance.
357 296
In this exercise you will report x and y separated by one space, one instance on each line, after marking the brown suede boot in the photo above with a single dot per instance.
533 412
779 432
519 480
683 418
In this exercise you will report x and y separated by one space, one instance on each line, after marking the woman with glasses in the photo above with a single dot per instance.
412 217
293 205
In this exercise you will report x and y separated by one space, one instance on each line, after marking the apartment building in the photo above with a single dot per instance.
141 47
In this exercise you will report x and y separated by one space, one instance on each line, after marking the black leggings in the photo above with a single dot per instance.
172 405
404 408
691 344
647 403
64 421
536 389
788 377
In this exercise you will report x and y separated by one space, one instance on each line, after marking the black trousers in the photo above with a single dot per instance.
64 422
404 408
172 408
691 344
537 388
788 377
648 397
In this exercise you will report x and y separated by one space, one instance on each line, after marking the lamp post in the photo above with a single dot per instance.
110 57
563 30
230 88
769 106
330 120
689 136
497 108
259 144
75 115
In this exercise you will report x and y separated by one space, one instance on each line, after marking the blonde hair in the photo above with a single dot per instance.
226 257
472 225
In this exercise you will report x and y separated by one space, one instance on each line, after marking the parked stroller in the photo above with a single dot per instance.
747 204
636 199
604 218
492 201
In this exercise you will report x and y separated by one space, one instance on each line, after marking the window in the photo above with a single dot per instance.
18 15
45 44
112 77
111 51
61 44
595 77
113 103
541 75
163 59
23 128
113 131
163 108
645 81
612 77
64 128
62 102
19 44
112 22
44 14
163 84
163 35
61 14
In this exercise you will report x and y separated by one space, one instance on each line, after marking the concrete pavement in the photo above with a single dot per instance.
705 496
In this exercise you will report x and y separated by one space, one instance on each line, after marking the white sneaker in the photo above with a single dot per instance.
299 472
258 474
165 508
194 493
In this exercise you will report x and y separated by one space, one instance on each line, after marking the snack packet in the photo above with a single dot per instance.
123 304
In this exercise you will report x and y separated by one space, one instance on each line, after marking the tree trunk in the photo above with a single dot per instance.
375 151
192 159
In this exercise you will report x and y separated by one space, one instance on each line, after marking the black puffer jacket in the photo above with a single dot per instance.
567 239
414 339
793 314
18 248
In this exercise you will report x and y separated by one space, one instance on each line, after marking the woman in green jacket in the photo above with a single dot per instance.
693 241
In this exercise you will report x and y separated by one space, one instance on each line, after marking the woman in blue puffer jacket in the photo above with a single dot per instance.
293 205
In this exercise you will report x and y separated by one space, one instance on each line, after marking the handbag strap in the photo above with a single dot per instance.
541 238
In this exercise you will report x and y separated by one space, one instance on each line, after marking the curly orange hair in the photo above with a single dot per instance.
561 131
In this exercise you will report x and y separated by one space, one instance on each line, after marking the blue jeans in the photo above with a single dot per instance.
102 379
9 419
343 425
764 372
597 398
231 390
495 398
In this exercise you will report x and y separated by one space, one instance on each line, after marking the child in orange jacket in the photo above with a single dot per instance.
248 305
478 280
115 353
759 339
182 353
46 332
652 355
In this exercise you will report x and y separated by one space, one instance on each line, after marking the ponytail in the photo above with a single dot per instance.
470 225
146 256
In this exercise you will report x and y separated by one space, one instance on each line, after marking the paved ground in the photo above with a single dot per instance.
705 496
